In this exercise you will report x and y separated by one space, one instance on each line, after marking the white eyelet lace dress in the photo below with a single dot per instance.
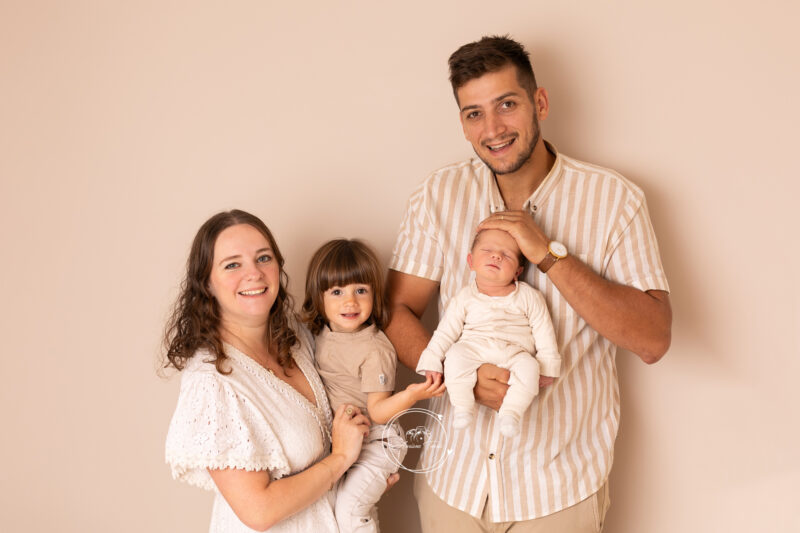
252 420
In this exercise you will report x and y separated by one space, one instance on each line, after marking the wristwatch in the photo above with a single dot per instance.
555 251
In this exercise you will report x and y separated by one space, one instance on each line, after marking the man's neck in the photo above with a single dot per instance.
517 187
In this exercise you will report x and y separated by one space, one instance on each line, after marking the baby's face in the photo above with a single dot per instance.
495 258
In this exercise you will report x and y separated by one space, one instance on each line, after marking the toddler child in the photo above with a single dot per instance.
495 319
345 308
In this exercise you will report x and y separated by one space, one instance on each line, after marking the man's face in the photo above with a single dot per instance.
500 120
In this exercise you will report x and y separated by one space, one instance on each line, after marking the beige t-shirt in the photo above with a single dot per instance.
354 364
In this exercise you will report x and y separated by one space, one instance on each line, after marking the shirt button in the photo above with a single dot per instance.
491 456
535 208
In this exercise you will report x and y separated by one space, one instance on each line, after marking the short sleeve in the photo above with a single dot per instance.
417 250
214 427
634 258
379 367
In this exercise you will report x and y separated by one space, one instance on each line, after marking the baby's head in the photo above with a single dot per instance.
495 258
344 288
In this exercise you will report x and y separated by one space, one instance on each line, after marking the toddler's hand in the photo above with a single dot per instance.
432 386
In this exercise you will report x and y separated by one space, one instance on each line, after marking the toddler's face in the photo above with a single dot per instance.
348 308
495 258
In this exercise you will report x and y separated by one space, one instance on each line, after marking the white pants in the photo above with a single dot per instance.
364 483
461 366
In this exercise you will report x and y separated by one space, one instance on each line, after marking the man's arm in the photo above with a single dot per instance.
632 319
408 297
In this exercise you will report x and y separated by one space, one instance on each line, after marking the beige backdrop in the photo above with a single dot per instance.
124 125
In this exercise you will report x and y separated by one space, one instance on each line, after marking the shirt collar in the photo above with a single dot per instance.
533 203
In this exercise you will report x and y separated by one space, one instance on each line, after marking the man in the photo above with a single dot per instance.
593 253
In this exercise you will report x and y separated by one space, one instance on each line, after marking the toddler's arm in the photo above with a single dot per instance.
382 406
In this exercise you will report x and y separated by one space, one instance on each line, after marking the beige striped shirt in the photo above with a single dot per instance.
564 452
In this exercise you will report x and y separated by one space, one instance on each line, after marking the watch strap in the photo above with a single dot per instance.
548 261
551 258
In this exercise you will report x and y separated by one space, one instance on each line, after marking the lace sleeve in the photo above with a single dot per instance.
214 427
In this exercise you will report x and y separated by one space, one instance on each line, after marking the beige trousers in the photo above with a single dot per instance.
438 517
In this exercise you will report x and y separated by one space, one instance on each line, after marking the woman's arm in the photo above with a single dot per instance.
260 502
382 406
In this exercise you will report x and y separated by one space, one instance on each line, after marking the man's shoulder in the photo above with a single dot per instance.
471 168
584 170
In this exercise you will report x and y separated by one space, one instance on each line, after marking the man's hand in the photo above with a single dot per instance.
491 386
493 383
519 224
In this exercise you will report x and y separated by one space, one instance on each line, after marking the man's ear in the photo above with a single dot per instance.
469 260
542 103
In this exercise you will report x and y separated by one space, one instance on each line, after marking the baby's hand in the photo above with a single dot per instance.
432 386
437 376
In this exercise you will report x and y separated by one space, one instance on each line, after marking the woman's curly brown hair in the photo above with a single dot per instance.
195 319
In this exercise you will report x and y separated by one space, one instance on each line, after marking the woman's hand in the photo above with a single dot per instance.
391 481
350 427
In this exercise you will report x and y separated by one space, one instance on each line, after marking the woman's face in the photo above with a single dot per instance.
245 276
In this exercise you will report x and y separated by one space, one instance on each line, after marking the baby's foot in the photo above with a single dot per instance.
509 425
462 419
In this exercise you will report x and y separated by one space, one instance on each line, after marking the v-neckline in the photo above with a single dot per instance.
271 377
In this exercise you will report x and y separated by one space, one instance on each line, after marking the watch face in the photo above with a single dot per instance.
558 249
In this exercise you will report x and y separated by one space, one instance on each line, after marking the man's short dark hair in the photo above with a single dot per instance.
491 54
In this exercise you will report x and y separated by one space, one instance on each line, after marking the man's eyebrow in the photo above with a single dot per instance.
494 101
504 96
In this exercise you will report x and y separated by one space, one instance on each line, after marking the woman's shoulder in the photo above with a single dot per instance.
199 364
304 347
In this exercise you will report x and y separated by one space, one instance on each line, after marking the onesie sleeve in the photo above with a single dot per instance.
544 336
214 427
447 332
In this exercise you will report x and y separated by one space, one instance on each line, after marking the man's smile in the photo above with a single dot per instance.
496 147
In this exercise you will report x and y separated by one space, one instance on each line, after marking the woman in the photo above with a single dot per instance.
252 420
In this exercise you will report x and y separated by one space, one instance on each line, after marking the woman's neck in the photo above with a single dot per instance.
251 340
